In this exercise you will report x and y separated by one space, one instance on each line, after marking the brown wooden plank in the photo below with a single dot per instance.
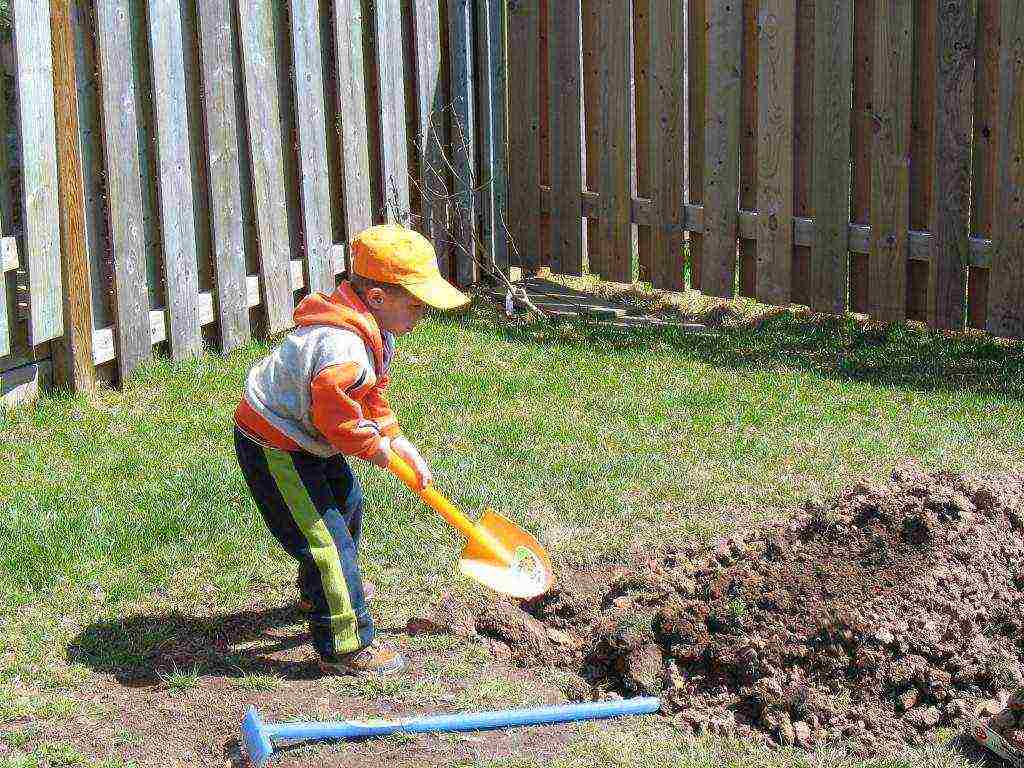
256 20
984 172
564 110
830 169
73 354
591 119
860 142
803 142
615 155
357 195
951 183
696 78
177 216
665 142
40 220
1006 286
776 41
922 146
524 131
217 48
722 148
124 187
890 174
748 144
643 15
544 228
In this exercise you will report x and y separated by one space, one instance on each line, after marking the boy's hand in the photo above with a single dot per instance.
409 454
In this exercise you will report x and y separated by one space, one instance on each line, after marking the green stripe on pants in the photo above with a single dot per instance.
344 625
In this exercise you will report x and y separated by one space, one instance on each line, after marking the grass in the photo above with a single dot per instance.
126 507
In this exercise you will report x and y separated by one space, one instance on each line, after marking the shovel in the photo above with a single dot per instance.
498 553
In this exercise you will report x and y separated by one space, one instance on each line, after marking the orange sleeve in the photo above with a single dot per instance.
376 407
338 415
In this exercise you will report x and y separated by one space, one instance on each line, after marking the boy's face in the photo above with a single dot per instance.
396 310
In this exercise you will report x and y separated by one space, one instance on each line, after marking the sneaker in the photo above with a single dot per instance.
369 590
375 659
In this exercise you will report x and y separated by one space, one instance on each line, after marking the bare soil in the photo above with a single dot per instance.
880 618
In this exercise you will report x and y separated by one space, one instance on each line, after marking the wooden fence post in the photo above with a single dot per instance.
73 364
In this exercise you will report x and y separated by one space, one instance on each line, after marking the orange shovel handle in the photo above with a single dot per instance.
434 499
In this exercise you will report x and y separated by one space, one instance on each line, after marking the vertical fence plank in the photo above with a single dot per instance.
803 142
1006 289
951 196
73 363
564 108
40 219
391 92
524 130
986 133
830 169
777 22
591 44
665 142
357 195
860 143
697 78
124 187
217 48
615 156
256 25
431 134
463 133
889 162
315 191
922 148
748 143
643 15
6 315
722 148
544 230
491 55
177 217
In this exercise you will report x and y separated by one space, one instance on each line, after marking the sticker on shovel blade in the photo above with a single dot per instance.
527 563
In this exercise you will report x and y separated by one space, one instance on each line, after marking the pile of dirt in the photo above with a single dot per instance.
879 618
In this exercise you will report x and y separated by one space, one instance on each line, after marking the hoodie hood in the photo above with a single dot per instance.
342 309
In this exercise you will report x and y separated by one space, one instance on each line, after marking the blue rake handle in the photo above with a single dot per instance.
259 736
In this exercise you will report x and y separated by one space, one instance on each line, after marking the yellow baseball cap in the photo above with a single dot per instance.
391 253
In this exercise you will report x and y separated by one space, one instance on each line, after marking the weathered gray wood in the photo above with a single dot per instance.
315 191
830 169
394 154
491 54
124 187
564 106
177 215
615 150
776 41
431 135
256 21
953 119
8 244
890 172
1006 286
463 134
721 148
355 160
666 137
40 219
524 131
222 142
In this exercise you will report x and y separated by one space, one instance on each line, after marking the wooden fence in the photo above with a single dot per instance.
183 170
863 155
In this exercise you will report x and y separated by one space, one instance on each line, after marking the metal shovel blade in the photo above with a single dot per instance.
523 570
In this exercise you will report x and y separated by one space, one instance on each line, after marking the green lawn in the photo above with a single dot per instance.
121 509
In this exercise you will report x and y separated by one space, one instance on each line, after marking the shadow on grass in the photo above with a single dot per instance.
148 649
907 356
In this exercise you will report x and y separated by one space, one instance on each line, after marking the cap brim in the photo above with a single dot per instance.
438 293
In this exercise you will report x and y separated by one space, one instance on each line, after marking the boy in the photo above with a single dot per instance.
317 399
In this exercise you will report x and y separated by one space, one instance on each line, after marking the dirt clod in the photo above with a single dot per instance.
880 617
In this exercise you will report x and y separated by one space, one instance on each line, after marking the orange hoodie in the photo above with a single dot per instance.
320 390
